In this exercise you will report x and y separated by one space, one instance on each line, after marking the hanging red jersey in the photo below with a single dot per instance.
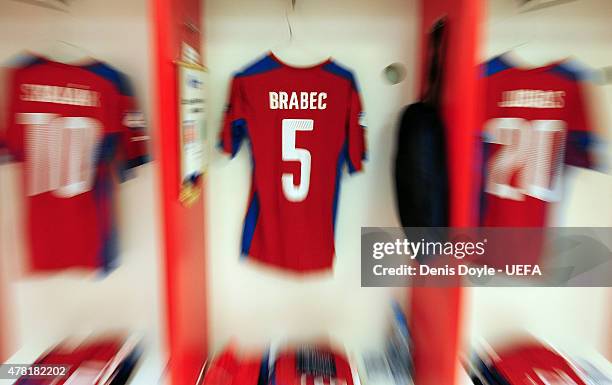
535 123
99 360
303 125
535 364
311 366
73 127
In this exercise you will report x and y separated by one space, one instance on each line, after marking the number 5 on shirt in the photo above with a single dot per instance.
290 153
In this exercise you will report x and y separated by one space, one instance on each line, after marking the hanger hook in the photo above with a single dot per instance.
288 20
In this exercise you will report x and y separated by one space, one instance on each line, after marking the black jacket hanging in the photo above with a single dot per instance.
421 174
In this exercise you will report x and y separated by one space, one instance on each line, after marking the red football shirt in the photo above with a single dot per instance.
94 362
228 368
73 127
535 364
311 367
535 123
303 125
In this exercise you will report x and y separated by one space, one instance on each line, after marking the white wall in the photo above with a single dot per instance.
46 309
255 304
574 319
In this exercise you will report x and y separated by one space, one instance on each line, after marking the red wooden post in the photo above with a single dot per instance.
174 22
436 313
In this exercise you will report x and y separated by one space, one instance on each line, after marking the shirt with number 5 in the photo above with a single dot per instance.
304 124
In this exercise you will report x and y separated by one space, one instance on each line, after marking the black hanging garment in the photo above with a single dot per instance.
421 174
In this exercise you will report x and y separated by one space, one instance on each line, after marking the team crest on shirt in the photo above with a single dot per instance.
134 119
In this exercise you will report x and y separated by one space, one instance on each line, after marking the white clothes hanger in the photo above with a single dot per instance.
63 51
529 55
295 51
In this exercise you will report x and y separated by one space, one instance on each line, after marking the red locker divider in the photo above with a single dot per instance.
435 314
184 260
3 342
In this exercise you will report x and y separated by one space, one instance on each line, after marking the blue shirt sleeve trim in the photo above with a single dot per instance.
250 222
345 73
572 72
114 76
263 65
496 65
